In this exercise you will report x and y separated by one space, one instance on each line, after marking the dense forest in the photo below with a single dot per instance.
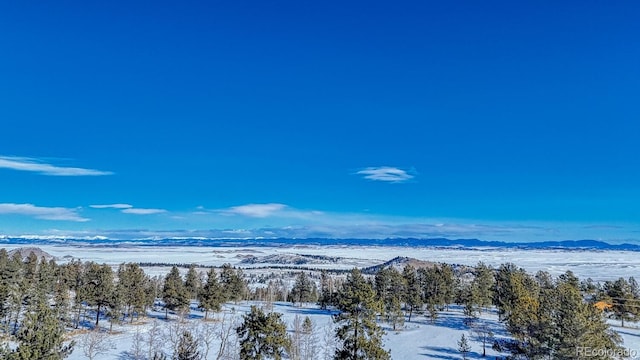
48 310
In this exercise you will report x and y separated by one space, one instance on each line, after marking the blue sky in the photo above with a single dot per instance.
497 120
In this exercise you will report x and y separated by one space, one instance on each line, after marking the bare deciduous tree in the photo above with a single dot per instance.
153 339
229 348
95 342
329 341
483 333
173 333
296 339
207 334
309 348
137 351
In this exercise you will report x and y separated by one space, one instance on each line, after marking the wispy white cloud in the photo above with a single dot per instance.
112 206
255 210
268 210
43 213
129 209
386 174
38 166
140 211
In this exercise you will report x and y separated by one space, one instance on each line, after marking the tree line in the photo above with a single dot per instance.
548 317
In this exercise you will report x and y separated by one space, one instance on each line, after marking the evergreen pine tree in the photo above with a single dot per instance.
390 287
464 347
523 318
192 282
98 287
31 270
211 296
447 278
152 290
381 281
545 331
327 290
551 319
360 336
624 305
262 336
438 287
15 275
579 324
482 285
596 331
116 309
131 286
174 294
469 299
72 274
503 296
41 335
412 291
187 348
5 282
233 284
62 304
46 275
302 289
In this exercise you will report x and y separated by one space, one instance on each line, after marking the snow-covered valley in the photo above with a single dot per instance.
597 264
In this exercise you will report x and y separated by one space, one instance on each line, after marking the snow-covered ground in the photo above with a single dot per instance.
419 339
599 265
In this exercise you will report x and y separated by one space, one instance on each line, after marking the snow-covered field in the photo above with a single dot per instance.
419 339
599 265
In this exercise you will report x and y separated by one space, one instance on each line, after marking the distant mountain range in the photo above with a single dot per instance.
287 242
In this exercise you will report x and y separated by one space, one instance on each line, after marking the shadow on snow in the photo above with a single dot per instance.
439 352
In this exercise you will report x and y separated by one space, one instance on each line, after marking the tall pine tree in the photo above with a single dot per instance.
624 304
302 290
358 333
211 296
390 287
262 336
233 283
412 292
98 287
192 282
131 286
482 285
174 294
41 335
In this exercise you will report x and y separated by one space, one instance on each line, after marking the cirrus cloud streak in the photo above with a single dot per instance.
41 212
141 211
129 209
40 167
255 210
111 206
